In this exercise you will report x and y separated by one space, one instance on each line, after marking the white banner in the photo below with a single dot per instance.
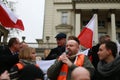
45 64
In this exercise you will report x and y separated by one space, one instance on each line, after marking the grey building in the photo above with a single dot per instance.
70 16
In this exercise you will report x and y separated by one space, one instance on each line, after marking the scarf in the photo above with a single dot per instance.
107 69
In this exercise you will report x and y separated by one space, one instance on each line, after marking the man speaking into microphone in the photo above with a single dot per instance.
64 65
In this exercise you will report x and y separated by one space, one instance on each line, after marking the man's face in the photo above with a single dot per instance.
17 45
61 41
72 47
103 53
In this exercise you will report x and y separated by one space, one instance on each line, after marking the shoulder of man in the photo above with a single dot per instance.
4 50
54 50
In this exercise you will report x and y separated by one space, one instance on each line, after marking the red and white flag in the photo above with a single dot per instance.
8 19
86 35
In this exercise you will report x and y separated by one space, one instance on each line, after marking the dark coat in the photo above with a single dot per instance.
55 53
31 72
93 52
7 59
17 73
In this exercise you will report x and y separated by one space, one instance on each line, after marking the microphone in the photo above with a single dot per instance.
69 57
67 51
69 54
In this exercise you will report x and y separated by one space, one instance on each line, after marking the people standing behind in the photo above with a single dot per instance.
27 56
46 52
107 38
93 51
23 45
109 65
63 66
56 52
80 73
9 55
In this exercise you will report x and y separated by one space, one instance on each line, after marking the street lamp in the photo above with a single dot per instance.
47 38
23 38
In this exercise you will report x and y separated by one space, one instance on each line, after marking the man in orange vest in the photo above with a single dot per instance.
64 65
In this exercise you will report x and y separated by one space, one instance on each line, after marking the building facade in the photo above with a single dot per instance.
70 17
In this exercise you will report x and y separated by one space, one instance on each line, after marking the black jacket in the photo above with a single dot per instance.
93 52
55 53
7 59
15 72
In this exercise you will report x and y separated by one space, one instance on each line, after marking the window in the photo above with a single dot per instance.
64 17
118 24
101 24
85 23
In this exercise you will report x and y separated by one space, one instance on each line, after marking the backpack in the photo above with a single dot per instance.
16 70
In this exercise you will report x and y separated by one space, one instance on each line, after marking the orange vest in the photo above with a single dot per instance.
64 70
21 65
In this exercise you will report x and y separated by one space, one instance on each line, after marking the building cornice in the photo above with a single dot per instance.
64 26
62 2
96 1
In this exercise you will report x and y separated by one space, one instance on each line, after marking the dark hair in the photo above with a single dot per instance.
74 38
112 46
101 39
12 41
107 35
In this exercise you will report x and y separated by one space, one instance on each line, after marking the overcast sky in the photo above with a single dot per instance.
32 13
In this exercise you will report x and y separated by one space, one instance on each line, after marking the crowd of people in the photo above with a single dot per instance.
18 61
